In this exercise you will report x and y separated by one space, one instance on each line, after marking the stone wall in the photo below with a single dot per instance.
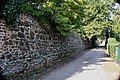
29 45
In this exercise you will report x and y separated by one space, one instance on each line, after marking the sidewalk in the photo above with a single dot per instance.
92 65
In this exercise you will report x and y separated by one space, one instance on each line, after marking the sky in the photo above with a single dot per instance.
117 5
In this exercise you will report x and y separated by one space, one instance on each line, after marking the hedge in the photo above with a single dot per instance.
111 47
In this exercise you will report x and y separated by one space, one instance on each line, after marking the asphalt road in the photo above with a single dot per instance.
91 65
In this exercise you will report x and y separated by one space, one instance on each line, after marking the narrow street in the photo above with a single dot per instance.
91 65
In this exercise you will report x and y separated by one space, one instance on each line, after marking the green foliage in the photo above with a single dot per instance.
111 40
88 17
116 25
112 50
66 15
111 47
63 15
10 10
95 20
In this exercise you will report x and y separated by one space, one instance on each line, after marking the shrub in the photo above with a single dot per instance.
112 40
111 47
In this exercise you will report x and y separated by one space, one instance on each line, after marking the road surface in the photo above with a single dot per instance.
91 65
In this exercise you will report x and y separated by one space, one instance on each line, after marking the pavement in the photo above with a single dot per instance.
91 65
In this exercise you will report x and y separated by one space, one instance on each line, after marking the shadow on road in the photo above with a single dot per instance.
89 61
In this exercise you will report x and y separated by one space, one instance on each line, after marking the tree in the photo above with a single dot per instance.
62 15
88 17
116 24
96 17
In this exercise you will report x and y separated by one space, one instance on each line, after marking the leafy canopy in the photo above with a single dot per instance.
88 17
96 18
115 24
62 15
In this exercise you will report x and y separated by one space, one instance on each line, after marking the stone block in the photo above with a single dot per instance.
10 42
21 35
32 34
22 29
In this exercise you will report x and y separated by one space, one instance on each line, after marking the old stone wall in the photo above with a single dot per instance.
2 35
29 45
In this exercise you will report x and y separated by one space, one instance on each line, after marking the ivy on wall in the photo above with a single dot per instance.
10 10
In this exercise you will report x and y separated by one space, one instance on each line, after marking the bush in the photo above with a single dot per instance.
111 47
112 40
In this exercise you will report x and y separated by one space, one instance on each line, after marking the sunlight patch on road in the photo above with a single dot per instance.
89 67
